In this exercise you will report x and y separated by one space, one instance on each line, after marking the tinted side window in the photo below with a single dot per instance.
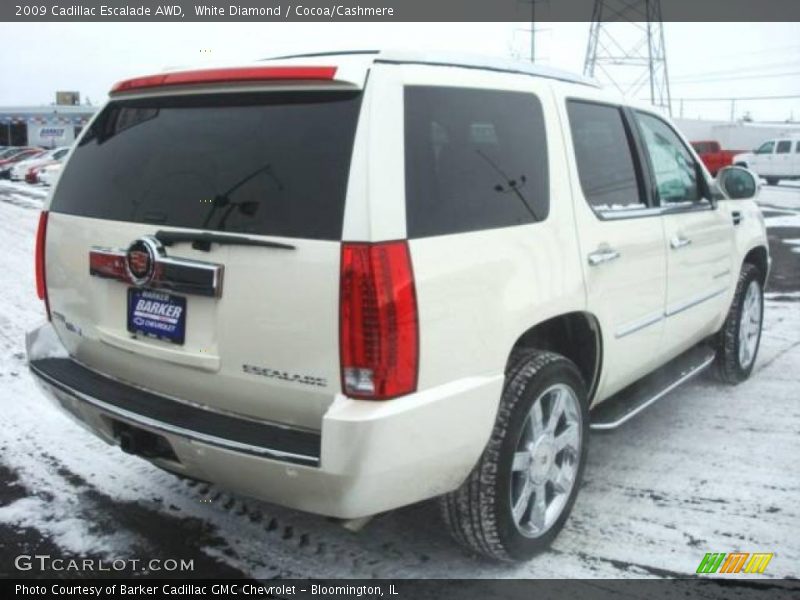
766 148
673 167
475 159
703 147
603 152
784 147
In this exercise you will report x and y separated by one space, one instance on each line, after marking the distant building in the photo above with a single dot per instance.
740 135
47 126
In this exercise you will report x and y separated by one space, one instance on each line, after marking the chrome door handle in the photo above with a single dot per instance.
604 255
679 242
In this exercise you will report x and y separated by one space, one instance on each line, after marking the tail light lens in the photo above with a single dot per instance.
379 332
41 280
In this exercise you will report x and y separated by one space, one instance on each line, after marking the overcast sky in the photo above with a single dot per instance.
705 59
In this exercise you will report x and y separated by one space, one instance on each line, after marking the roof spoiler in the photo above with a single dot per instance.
225 75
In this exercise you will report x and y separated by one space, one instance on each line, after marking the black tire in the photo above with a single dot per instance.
478 514
740 164
772 180
728 365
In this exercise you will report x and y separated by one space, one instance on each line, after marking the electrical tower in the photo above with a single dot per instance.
626 49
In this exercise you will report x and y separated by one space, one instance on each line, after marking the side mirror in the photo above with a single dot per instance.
737 183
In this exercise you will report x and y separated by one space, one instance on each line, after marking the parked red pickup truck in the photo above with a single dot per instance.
713 156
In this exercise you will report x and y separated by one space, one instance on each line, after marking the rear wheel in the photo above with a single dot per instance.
520 493
739 339
772 180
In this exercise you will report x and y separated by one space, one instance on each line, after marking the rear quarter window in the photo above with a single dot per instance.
475 159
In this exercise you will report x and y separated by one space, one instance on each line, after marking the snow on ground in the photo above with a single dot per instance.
23 194
709 469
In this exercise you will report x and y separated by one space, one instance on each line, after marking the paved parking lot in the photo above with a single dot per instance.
708 469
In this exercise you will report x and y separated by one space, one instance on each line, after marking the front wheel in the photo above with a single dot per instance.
520 493
740 336
772 180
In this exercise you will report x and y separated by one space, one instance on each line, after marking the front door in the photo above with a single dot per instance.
698 238
763 159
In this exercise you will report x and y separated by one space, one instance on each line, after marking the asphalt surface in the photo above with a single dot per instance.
708 469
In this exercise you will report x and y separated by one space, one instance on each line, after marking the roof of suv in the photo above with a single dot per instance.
448 59
346 69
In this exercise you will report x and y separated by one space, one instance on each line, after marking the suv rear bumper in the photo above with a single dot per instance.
369 457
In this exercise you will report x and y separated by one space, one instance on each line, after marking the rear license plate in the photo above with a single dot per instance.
157 314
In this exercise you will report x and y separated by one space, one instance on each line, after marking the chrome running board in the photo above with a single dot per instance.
629 402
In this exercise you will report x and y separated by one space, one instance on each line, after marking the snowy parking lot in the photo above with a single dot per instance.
708 469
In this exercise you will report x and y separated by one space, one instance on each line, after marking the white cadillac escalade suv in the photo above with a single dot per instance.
345 283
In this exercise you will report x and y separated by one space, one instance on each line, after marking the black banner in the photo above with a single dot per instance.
403 589
389 10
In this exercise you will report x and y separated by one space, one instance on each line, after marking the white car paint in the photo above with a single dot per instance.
48 175
19 170
477 294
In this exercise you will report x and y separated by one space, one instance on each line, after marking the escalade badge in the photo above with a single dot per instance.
140 260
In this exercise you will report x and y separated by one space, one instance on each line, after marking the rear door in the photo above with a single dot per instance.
796 159
622 242
246 321
783 158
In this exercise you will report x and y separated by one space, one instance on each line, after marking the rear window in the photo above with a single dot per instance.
268 164
475 159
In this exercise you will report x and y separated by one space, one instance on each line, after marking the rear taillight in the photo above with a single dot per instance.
379 332
41 279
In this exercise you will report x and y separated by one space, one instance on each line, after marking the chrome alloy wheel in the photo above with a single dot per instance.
749 325
546 460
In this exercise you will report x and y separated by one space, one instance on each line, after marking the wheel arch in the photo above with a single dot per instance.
758 256
574 335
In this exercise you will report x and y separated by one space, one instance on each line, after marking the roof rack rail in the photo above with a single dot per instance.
466 61
320 54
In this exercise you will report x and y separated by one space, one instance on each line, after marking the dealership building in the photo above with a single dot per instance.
48 126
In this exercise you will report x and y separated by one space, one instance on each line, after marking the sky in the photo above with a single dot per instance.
705 60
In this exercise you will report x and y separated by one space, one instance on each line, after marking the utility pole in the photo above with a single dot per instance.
533 3
626 49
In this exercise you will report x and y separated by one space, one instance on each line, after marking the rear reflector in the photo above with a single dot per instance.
238 74
379 335
41 279
109 265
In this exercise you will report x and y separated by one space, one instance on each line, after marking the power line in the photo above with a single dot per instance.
764 51
734 71
737 78
737 98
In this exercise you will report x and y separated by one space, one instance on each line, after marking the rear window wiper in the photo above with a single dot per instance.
203 240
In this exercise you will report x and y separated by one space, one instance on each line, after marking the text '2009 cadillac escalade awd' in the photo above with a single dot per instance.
350 282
